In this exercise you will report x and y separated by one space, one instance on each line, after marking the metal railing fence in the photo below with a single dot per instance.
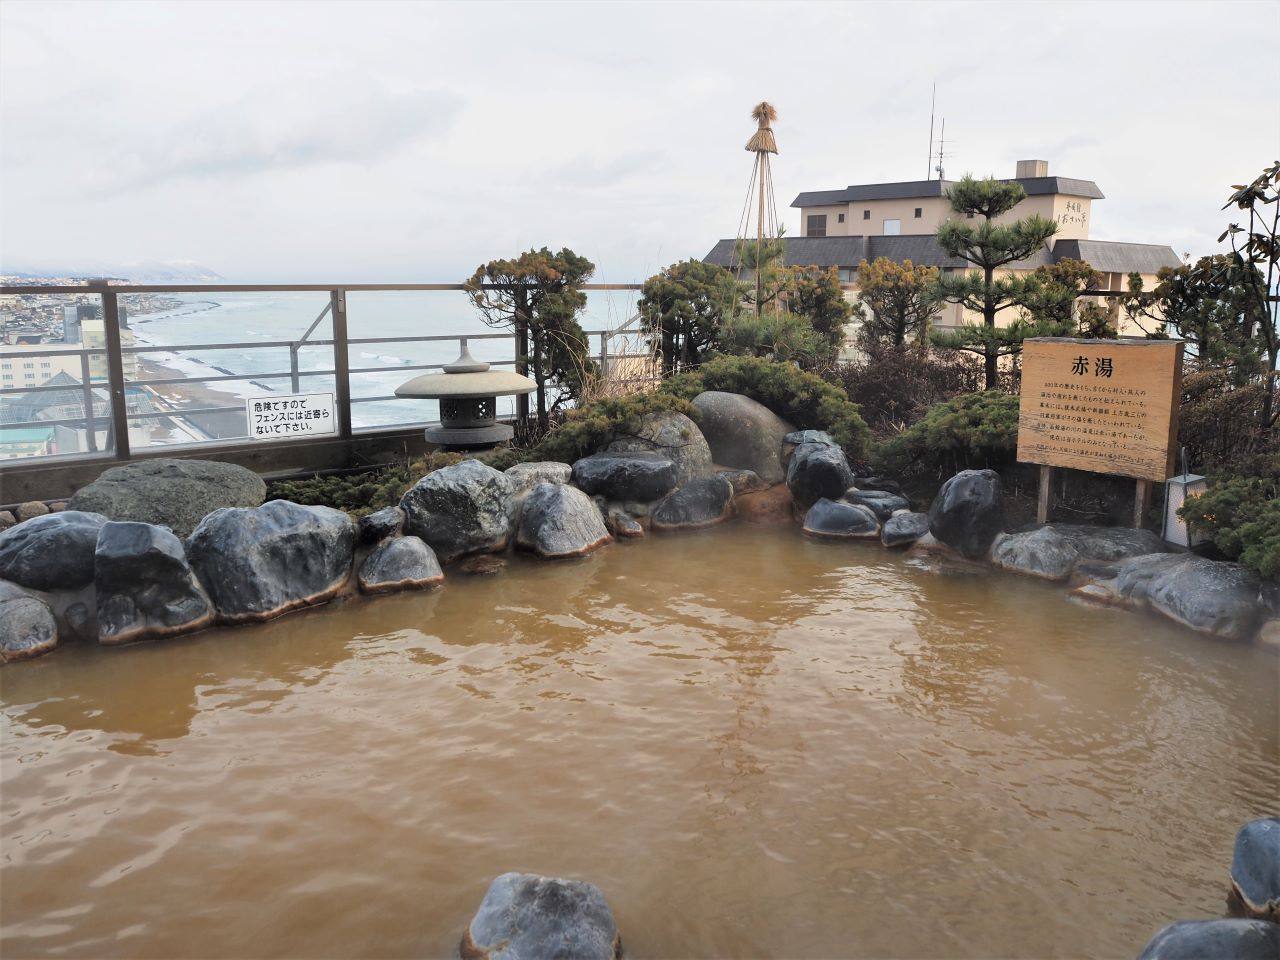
112 409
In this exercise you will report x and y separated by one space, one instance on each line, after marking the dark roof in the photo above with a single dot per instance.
1034 186
1117 257
848 252
803 251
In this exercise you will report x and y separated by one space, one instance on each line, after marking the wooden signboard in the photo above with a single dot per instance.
1108 406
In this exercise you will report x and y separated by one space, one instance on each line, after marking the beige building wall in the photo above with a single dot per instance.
1071 214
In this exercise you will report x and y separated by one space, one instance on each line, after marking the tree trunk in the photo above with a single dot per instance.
990 350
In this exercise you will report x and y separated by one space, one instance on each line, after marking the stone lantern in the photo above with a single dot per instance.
468 393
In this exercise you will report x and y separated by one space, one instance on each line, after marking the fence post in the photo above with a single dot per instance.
293 366
604 353
90 418
341 361
115 374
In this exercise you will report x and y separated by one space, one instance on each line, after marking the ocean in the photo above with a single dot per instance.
229 318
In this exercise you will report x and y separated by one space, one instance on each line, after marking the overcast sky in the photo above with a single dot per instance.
312 141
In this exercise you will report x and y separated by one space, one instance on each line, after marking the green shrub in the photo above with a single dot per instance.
973 430
803 399
591 428
360 493
1242 515
1220 424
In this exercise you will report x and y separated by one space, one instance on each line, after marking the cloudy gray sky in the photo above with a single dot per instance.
411 141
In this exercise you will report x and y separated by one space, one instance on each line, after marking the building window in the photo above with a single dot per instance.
919 212
839 218
45 365
28 366
866 214
892 228
816 225
28 376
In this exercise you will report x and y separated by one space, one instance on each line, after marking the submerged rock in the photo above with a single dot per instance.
1221 599
638 477
462 509
903 529
561 521
1255 868
836 519
880 502
624 526
376 527
528 917
173 493
1215 940
51 552
145 589
1052 551
743 433
968 512
526 476
818 470
27 625
257 564
402 563
672 435
699 503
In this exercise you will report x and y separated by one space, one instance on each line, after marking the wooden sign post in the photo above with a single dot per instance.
1108 406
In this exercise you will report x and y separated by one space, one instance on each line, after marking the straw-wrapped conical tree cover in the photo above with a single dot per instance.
763 113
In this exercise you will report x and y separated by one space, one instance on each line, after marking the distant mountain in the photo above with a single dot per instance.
141 271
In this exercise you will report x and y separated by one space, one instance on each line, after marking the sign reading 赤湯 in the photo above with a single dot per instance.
1109 406
294 415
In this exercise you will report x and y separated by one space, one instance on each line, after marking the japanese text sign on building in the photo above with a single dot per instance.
1109 406
297 415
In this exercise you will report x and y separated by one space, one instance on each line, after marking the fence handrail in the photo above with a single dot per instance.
115 386
93 286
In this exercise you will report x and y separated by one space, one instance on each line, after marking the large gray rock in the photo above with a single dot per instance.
463 509
968 512
401 563
257 564
629 477
52 552
1255 868
1221 599
699 503
818 470
526 476
528 917
1052 552
172 493
1215 940
674 436
880 502
145 589
839 520
904 529
380 525
743 433
742 481
27 625
561 521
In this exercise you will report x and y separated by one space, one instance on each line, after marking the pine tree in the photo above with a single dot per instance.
989 246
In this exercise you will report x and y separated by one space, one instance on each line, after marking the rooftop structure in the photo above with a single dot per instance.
841 228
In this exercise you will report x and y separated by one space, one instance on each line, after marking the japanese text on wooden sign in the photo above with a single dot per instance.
1109 406
296 415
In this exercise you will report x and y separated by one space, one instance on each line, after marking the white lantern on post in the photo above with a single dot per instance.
1178 490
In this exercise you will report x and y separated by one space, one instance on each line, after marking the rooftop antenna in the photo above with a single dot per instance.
942 140
762 144
928 159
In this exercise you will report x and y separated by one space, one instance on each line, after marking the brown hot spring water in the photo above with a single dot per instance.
755 744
